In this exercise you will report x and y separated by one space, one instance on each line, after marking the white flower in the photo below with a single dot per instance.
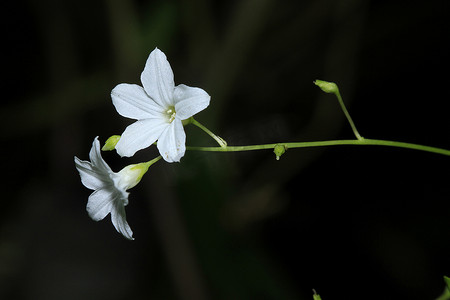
110 189
159 107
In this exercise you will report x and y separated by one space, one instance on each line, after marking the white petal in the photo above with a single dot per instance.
97 161
157 78
131 101
140 135
119 220
189 101
171 143
89 176
100 203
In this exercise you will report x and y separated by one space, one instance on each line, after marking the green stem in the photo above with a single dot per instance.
347 115
362 142
332 88
218 139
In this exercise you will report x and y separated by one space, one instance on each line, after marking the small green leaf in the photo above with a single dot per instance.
447 281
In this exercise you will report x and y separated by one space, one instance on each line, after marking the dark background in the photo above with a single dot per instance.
350 222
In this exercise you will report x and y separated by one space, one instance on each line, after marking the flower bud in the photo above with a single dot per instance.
279 150
111 143
327 87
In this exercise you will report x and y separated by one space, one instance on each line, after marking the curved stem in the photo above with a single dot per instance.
362 142
347 115
217 138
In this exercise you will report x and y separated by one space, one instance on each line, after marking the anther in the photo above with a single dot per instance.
171 113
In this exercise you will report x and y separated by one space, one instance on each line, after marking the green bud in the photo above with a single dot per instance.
327 87
279 150
316 296
447 281
111 143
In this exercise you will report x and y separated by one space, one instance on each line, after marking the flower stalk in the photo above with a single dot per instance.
222 143
332 88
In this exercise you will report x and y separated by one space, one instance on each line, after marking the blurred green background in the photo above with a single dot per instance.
349 222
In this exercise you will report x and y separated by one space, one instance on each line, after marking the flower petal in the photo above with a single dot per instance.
131 101
189 101
140 135
90 177
157 78
172 142
100 202
119 220
97 162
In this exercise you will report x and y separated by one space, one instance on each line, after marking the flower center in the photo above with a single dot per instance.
171 113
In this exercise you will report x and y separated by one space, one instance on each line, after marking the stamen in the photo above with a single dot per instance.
171 113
